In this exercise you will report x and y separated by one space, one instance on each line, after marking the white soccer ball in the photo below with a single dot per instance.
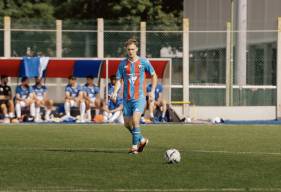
172 156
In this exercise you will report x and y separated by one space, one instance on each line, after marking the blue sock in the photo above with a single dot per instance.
137 136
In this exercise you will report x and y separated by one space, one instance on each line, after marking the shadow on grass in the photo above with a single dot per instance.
119 151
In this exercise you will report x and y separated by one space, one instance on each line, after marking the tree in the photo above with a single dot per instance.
27 9
122 11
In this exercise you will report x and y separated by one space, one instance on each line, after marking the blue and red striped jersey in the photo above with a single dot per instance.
133 75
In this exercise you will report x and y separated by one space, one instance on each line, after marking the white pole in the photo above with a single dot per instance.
59 55
7 36
241 48
278 73
59 38
106 80
170 80
100 36
185 65
228 66
143 39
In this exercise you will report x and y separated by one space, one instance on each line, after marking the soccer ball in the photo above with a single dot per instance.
172 156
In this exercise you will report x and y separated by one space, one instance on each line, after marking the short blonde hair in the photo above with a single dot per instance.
131 41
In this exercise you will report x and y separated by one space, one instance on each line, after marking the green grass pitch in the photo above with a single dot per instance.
94 158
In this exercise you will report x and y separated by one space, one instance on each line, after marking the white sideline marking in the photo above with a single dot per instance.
58 189
238 152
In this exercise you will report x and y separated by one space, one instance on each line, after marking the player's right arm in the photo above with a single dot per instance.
119 76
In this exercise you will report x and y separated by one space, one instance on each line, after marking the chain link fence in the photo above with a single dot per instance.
207 56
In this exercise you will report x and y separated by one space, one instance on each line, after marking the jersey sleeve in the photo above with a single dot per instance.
18 90
80 88
67 89
30 91
97 90
45 89
148 67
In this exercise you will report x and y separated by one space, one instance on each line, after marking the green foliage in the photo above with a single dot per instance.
121 10
27 9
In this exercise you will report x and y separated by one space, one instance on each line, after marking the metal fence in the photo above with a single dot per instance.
207 55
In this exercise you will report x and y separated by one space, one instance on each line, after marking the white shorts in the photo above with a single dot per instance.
40 98
73 103
22 104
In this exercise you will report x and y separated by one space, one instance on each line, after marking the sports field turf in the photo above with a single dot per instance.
94 158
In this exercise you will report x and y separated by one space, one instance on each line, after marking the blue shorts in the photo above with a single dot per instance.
132 106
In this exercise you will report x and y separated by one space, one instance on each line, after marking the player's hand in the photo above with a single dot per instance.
113 96
151 96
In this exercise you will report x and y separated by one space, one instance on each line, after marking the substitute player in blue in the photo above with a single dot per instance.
114 107
158 102
41 100
24 98
132 71
92 97
74 98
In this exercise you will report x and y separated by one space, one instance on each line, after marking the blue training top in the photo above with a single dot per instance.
158 90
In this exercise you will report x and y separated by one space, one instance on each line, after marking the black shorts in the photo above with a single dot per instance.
4 101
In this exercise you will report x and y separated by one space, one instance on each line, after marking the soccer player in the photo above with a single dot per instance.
158 102
92 97
132 71
74 98
113 108
41 100
24 98
6 101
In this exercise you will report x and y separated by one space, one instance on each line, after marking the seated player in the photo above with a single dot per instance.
74 98
6 101
24 98
41 100
159 102
113 109
92 97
